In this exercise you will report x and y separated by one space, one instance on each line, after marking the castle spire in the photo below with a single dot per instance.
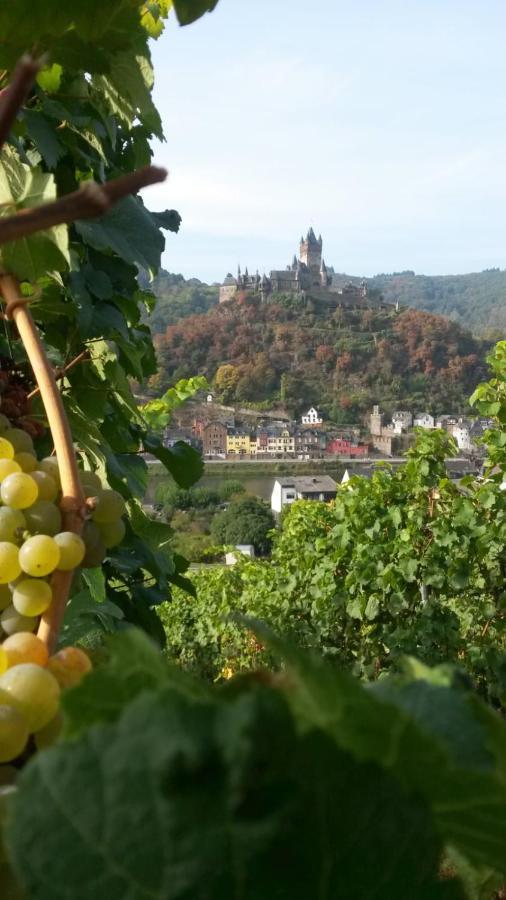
238 272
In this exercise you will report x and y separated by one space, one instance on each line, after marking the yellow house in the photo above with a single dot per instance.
239 442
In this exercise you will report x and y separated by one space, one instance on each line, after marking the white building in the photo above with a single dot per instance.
424 420
244 549
287 490
312 417
401 421
462 436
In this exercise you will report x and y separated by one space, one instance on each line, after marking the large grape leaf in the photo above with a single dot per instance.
184 463
182 798
129 230
466 791
22 187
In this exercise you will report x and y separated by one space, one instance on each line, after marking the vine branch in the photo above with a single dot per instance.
15 94
62 371
88 202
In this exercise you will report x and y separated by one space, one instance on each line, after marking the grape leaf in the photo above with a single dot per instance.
129 230
22 187
468 802
188 11
183 797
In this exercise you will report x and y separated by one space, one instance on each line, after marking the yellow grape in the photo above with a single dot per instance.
48 488
12 622
72 550
8 467
18 490
112 533
4 659
49 465
110 506
26 461
13 732
25 647
6 449
69 666
20 440
91 482
43 517
33 691
10 566
39 556
12 524
32 596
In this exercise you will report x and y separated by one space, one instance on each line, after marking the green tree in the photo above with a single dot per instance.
247 520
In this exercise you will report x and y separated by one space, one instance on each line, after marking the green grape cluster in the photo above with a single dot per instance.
31 683
32 542
32 547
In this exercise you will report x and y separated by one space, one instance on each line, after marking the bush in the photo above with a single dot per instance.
246 521
228 488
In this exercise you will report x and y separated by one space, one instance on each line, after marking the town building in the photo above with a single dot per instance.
239 442
423 420
312 417
287 490
214 439
309 443
340 446
401 421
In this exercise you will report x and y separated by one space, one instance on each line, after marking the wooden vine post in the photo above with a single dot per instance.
90 201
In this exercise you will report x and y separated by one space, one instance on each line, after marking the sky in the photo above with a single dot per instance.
381 123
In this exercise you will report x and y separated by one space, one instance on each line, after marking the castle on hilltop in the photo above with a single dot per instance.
307 274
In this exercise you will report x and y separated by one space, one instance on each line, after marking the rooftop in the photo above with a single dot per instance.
305 484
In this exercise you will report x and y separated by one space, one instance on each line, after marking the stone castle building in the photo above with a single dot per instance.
307 274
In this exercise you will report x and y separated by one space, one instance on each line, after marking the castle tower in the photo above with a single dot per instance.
311 252
376 421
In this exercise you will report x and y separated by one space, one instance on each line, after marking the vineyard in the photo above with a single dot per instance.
328 722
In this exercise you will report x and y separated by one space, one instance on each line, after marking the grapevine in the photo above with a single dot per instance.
46 502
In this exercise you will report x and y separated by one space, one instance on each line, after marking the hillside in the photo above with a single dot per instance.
476 301
301 352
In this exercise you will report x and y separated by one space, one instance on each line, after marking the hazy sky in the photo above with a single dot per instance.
382 123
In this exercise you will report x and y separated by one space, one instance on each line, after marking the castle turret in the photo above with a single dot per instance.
311 252
324 276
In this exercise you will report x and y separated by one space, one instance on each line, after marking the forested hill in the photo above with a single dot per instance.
476 301
302 352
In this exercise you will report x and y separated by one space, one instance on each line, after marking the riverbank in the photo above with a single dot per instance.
224 468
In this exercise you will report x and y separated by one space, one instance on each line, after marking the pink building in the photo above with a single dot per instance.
344 447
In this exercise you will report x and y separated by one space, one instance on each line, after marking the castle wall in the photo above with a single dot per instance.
227 292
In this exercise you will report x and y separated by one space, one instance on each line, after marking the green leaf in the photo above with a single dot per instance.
188 11
49 78
129 230
43 134
135 665
183 462
468 803
22 187
126 90
216 795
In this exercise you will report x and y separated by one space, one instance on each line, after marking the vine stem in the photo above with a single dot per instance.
73 502
61 372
